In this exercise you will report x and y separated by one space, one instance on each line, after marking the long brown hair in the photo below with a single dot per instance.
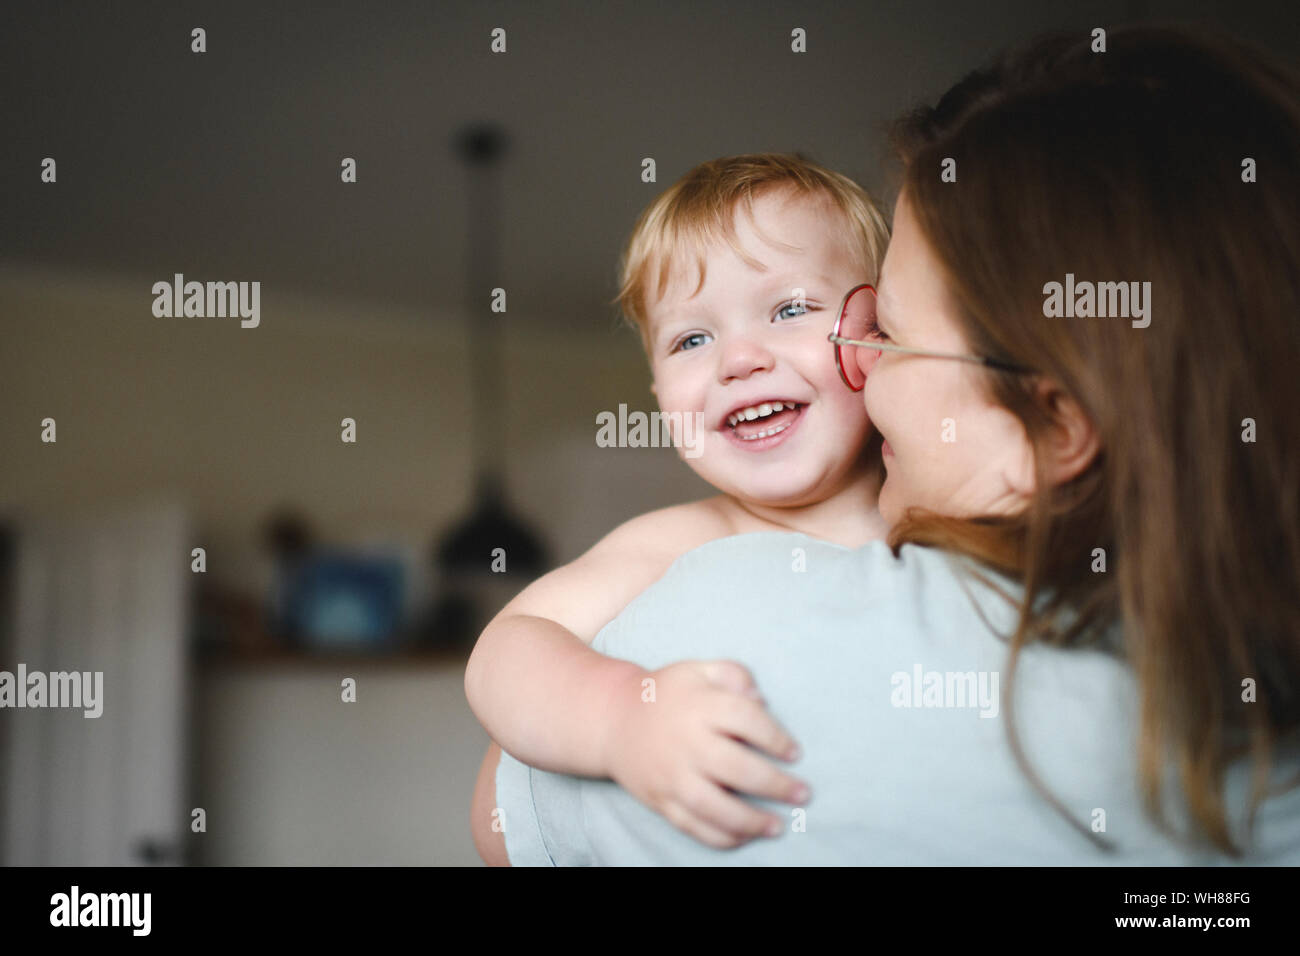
1132 165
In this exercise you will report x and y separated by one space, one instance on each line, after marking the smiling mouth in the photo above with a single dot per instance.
763 420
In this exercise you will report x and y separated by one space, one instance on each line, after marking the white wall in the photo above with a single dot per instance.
233 421
291 775
240 419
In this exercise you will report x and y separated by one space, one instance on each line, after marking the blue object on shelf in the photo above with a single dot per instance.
335 600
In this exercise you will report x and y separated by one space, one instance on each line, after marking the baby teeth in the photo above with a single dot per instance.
757 411
776 430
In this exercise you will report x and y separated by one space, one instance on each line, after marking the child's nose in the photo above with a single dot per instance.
742 357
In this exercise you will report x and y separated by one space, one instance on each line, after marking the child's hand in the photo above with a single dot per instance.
680 748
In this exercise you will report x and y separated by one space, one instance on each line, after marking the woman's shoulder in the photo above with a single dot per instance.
874 562
912 592
915 583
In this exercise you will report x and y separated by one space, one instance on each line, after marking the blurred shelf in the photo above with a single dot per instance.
407 657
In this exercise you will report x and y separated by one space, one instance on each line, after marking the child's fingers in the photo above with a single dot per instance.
741 769
750 721
696 828
713 808
732 676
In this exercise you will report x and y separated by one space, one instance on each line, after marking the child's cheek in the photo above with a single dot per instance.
850 410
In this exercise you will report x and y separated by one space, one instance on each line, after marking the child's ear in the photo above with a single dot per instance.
652 390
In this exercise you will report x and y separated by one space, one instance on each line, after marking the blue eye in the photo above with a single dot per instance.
802 309
683 344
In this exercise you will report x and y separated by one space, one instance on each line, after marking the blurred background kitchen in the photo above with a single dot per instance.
323 559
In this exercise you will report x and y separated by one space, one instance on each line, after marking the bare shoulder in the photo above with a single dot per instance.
589 592
660 537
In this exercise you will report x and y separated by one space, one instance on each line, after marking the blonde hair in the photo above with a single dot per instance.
699 209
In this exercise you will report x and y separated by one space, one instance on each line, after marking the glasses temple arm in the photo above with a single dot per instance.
987 361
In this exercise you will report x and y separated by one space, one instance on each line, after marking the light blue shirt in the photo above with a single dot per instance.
886 673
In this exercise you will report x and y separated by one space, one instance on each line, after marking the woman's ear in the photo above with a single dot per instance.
1073 443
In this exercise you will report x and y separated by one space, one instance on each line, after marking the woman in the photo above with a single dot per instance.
1124 468
1140 441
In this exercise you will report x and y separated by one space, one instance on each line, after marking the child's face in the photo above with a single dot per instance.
743 342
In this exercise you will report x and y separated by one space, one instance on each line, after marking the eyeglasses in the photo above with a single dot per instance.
857 321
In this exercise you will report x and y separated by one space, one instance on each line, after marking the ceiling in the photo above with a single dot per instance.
225 165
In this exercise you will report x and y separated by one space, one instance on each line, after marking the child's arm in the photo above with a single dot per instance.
533 682
554 703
